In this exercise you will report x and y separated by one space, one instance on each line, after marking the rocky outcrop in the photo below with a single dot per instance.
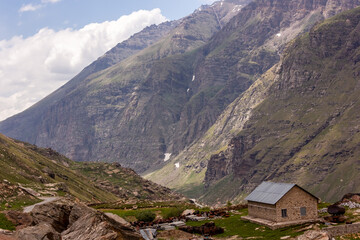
303 131
65 220
42 231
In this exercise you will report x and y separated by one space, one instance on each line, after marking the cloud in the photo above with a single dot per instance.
33 67
29 8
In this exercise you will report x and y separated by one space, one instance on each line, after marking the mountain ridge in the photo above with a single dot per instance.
312 135
194 159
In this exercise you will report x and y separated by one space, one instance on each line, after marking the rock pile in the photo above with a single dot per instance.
351 200
68 221
10 192
354 197
350 204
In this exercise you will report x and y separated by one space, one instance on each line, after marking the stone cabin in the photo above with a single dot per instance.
281 204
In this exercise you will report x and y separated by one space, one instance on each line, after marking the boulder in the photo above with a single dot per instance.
118 219
188 212
336 210
68 221
43 231
54 213
355 198
314 235
77 211
97 226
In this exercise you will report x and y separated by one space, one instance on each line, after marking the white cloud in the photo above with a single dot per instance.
29 7
33 67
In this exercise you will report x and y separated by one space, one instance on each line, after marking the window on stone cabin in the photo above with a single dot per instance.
284 213
303 211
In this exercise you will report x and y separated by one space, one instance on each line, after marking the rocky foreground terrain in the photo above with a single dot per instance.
66 220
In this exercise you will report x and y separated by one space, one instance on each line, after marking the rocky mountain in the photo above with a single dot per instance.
307 128
28 172
31 119
249 45
131 111
172 108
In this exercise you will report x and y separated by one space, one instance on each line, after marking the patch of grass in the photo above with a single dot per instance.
234 225
323 205
18 203
145 216
5 223
163 212
144 205
172 212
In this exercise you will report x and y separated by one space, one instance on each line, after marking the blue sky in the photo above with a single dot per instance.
45 43
61 14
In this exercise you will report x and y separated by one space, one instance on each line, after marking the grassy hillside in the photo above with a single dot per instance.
20 164
49 173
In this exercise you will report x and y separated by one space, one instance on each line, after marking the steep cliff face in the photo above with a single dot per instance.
307 130
245 48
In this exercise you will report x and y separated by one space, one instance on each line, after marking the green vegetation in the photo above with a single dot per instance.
145 216
172 212
234 225
143 205
42 170
5 223
18 203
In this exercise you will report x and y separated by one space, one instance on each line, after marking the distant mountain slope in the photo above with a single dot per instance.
307 130
245 48
127 112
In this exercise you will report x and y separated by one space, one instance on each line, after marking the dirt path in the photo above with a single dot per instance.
45 200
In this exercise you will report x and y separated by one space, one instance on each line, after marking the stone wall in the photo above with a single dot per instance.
295 199
343 229
261 210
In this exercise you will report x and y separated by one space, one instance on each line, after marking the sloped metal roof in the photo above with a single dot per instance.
269 192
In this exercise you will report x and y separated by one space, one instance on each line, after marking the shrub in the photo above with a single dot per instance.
172 212
5 223
145 216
